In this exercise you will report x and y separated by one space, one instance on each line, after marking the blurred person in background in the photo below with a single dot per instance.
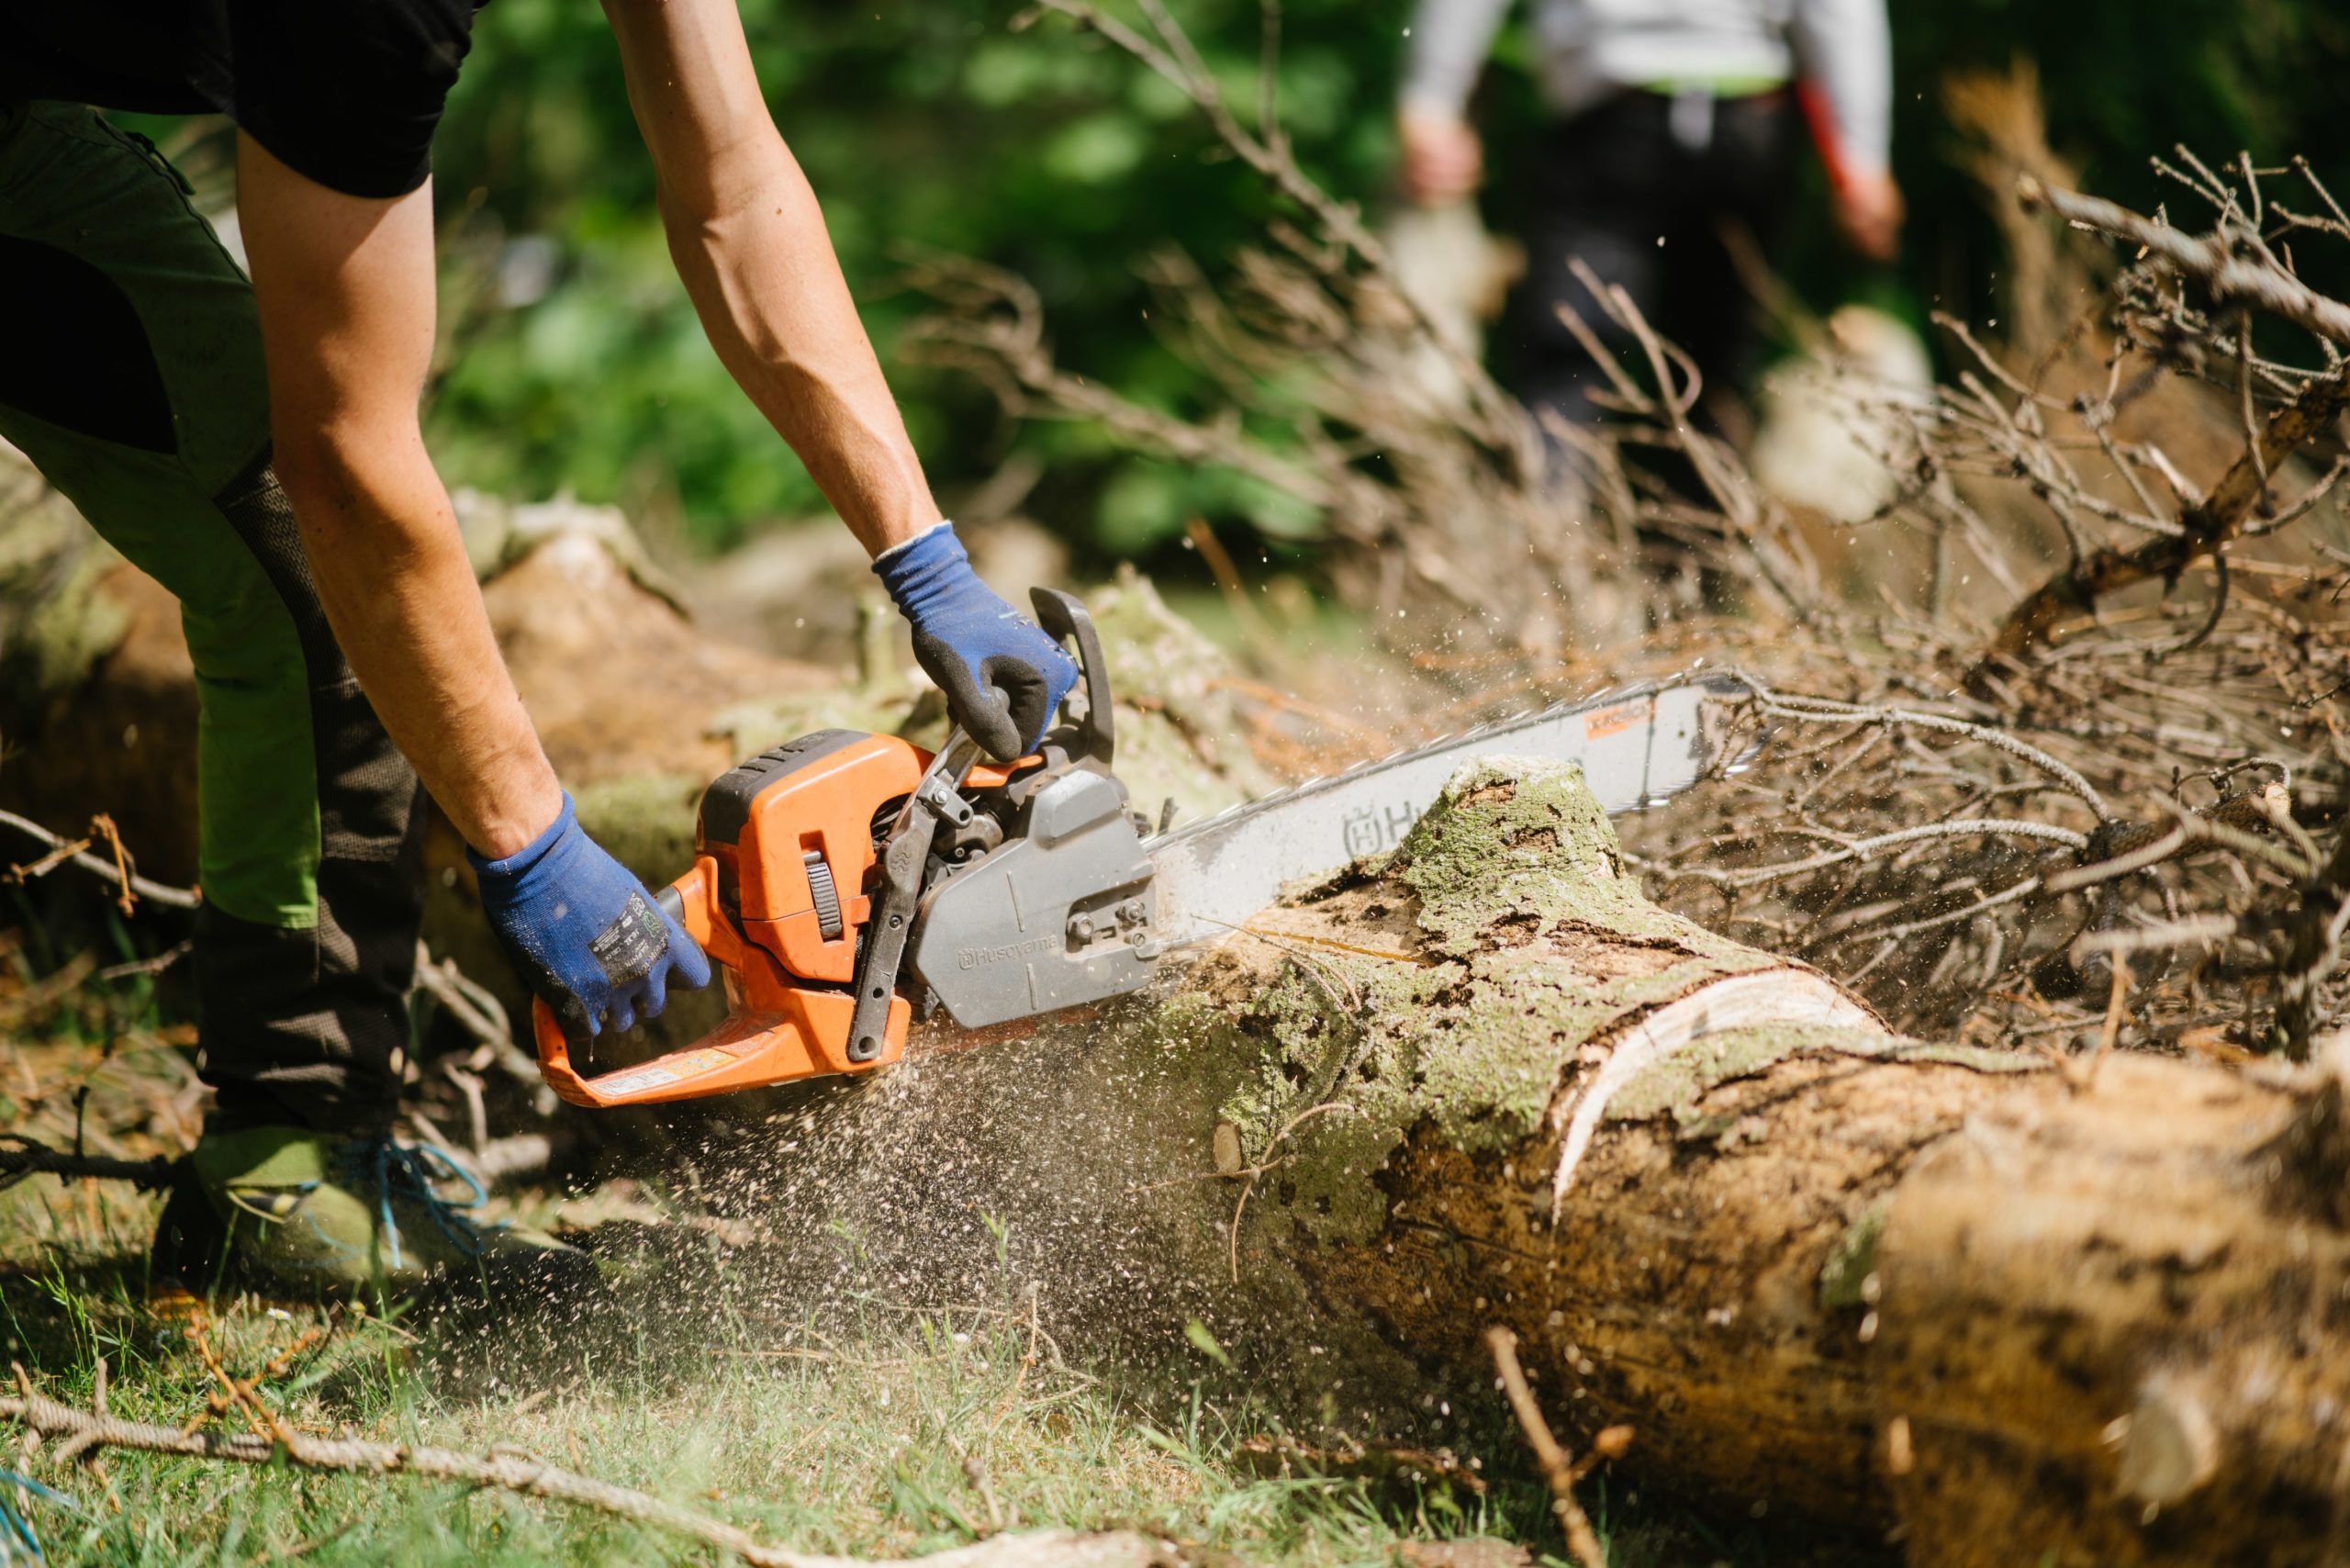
1675 125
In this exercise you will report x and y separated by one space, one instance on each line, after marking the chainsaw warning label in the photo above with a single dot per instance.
668 1069
1606 721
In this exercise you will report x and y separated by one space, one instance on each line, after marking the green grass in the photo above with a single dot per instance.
868 1430
860 1427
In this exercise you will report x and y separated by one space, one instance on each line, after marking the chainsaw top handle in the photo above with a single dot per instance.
1065 619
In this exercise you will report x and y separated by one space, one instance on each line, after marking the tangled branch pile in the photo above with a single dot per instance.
2101 796
2071 734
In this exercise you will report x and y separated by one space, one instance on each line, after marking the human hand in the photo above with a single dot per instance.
584 932
1003 678
1443 158
1869 212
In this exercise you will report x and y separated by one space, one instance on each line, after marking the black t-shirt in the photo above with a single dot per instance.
347 92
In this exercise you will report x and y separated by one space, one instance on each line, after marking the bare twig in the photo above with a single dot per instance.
2220 265
21 1156
116 872
133 968
2115 1011
1559 1471
1827 710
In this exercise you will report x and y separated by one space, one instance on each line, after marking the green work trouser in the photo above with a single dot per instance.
132 374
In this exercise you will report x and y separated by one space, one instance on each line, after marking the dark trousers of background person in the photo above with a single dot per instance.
1642 188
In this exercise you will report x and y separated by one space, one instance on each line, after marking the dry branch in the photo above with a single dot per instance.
1559 1469
2231 264
1299 350
87 1431
2205 529
113 869
2234 267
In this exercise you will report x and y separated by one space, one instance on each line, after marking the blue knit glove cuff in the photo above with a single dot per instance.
584 932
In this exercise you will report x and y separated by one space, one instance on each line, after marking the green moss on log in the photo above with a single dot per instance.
1513 861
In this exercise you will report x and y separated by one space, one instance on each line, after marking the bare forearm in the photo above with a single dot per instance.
750 242
392 572
344 288
760 268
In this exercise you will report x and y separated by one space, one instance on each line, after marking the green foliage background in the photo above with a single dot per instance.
926 124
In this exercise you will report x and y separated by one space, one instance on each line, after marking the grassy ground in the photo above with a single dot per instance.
878 1432
865 1428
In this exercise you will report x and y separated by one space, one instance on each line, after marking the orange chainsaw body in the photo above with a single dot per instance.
776 896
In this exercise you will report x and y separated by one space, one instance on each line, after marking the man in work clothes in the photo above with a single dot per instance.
254 446
1674 119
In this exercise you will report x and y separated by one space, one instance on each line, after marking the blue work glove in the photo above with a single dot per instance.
584 932
1003 678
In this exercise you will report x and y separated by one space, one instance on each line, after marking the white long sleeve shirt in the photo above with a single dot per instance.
1593 48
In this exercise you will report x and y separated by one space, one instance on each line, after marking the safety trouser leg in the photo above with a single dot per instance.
133 378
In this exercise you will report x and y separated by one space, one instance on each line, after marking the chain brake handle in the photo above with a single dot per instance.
1066 620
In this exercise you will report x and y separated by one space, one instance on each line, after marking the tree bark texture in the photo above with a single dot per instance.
2005 1314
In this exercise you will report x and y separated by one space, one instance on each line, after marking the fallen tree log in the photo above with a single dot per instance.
1947 1294
1953 1297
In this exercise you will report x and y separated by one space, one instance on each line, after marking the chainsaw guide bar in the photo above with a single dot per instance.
843 883
1637 745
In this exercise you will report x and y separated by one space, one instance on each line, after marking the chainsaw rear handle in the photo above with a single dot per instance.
554 1047
778 1040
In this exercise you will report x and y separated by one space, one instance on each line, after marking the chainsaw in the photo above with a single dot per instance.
845 882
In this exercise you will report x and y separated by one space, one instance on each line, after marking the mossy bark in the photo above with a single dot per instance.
1909 1289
